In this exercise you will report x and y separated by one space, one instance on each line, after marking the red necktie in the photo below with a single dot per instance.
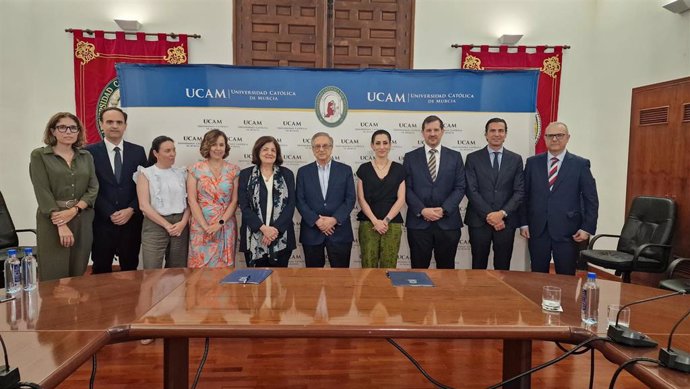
553 172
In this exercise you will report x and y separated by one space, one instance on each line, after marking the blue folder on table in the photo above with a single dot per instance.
409 278
247 276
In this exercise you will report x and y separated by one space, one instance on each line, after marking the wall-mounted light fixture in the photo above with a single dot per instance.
509 39
678 6
128 25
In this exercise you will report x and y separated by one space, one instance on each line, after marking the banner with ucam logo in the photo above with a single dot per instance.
291 104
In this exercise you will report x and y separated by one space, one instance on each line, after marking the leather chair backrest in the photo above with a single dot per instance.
8 235
651 220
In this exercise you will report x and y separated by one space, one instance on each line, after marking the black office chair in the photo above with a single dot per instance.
9 238
644 244
678 276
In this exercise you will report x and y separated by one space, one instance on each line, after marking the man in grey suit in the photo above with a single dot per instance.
495 189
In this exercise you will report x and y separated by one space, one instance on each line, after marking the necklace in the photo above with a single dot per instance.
381 168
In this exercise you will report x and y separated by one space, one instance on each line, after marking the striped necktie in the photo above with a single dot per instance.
553 172
432 164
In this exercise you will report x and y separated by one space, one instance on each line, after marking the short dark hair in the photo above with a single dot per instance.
209 139
100 114
256 150
431 119
380 132
156 146
494 120
50 139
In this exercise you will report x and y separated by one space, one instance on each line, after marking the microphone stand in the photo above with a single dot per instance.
624 335
675 359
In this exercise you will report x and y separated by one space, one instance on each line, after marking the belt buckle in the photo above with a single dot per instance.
70 203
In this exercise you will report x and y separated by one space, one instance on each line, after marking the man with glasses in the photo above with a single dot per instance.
117 225
435 182
325 198
561 203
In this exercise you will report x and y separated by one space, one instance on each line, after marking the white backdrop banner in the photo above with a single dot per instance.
185 101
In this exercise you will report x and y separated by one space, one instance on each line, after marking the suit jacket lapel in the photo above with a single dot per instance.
104 160
542 171
330 178
315 174
421 155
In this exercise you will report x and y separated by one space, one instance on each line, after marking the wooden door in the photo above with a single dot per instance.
658 160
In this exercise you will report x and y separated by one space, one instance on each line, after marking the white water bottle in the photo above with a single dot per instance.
590 300
29 280
13 278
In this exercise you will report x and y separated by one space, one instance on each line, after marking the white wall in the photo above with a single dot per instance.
616 45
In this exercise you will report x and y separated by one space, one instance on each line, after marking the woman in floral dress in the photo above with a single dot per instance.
212 194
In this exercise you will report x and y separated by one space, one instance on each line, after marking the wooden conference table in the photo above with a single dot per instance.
53 330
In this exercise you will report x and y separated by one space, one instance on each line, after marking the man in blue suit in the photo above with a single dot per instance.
495 189
561 203
117 225
325 198
435 185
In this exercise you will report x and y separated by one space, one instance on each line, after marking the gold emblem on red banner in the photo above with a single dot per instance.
472 63
551 66
176 55
86 52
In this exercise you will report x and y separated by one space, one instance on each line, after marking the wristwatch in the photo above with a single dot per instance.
221 222
505 214
387 220
78 209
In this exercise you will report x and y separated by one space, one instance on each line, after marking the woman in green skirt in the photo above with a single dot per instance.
381 195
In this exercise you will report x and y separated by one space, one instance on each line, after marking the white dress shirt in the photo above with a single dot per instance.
111 152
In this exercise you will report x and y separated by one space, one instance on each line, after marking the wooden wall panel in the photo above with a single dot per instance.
280 33
324 33
373 33
658 158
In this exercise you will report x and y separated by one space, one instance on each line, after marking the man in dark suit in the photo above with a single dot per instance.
325 198
117 225
435 185
495 188
561 203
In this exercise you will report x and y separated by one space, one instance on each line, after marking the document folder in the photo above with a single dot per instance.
409 278
247 276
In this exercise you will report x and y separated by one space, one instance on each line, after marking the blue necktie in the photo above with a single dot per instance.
495 165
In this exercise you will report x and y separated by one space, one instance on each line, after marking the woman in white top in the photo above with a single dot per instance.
162 194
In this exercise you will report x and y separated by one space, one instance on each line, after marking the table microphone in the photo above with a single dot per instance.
628 337
675 359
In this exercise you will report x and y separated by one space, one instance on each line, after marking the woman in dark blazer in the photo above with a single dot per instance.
267 235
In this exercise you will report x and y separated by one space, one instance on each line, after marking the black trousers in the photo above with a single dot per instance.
281 260
481 239
565 254
338 254
442 243
110 240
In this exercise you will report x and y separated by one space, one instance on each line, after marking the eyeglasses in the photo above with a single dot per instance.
321 147
555 136
63 128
